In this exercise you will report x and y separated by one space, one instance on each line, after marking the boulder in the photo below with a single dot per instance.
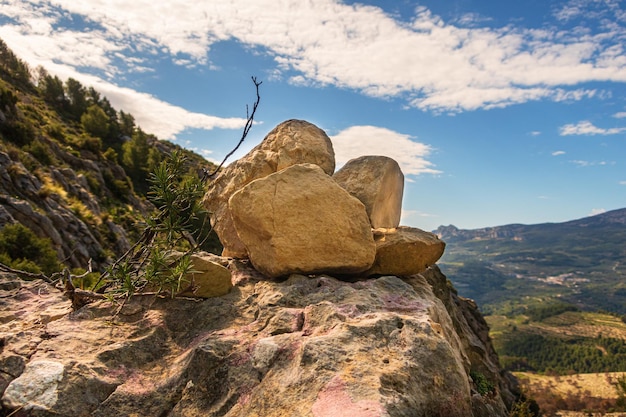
209 278
405 251
291 142
307 346
299 220
379 183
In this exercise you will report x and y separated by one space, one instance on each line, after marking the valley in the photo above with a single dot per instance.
554 296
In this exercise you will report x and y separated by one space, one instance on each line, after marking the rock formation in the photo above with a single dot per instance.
291 216
307 346
404 251
208 278
301 221
378 183
65 208
292 142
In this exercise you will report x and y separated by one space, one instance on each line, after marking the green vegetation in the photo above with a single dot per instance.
51 127
483 385
507 269
620 387
21 249
524 351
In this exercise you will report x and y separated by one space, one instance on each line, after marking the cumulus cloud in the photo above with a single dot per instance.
357 141
434 65
557 153
585 127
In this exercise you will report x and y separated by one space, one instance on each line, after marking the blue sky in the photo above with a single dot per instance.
498 111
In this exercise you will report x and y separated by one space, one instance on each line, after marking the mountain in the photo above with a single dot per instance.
73 171
508 268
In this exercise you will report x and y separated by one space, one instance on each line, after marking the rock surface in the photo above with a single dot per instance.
405 251
291 142
308 346
67 208
378 183
299 220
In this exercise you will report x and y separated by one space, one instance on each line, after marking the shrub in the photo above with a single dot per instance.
39 151
152 264
483 385
21 249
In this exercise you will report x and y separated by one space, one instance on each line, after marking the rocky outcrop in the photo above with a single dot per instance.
378 183
64 207
308 346
301 221
292 142
405 251
290 219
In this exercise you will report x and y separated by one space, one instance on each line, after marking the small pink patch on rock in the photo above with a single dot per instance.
335 401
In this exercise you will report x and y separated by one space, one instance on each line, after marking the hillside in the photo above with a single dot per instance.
73 171
508 268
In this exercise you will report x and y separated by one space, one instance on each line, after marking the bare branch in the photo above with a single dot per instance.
246 129
29 276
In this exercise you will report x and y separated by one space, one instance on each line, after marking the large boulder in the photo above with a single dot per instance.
306 346
299 220
405 251
379 183
291 142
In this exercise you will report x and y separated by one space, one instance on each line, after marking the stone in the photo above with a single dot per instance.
379 183
405 251
299 220
291 142
378 347
36 387
209 278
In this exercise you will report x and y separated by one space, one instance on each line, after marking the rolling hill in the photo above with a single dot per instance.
510 268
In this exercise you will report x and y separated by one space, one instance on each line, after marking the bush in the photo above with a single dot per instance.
39 151
483 385
21 249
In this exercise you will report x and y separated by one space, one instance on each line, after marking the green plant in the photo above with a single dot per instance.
527 408
620 387
483 385
21 249
152 262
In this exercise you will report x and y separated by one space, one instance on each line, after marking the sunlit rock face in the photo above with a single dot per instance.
311 346
378 182
291 142
299 220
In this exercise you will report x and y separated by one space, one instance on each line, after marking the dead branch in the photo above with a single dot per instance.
246 129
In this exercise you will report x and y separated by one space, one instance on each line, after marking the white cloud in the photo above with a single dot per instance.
93 51
535 133
407 216
585 127
358 141
622 183
583 163
620 115
596 211
557 153
434 65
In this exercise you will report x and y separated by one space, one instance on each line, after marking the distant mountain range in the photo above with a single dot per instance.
507 268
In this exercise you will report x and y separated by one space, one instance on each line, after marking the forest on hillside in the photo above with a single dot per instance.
71 158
